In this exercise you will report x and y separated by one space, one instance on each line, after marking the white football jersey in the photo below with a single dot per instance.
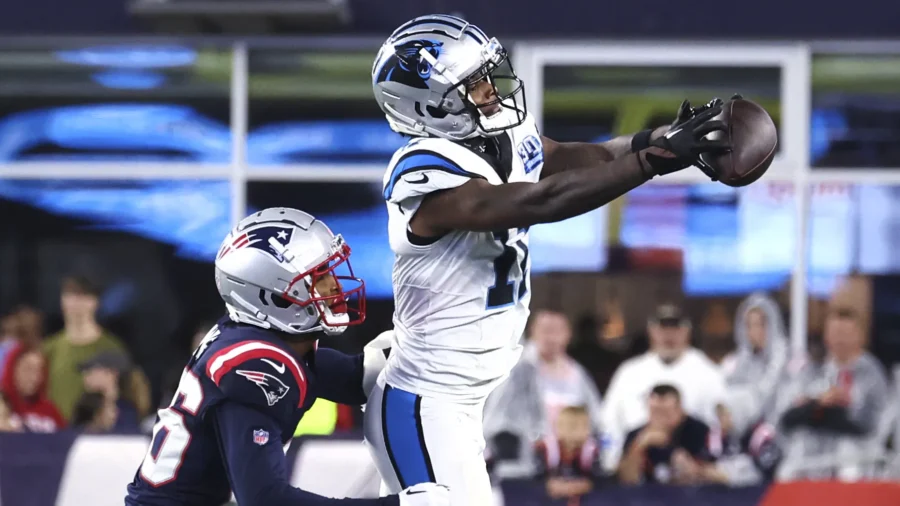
461 300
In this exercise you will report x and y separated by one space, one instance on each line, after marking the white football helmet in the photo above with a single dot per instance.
424 72
272 266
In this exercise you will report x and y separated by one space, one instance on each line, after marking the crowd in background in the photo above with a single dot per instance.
601 407
671 414
80 378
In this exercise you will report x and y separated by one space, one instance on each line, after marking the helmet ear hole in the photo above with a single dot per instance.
435 112
280 302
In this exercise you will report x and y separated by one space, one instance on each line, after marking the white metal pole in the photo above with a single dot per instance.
796 104
239 99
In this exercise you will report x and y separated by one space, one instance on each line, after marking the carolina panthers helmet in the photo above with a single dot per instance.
271 268
424 72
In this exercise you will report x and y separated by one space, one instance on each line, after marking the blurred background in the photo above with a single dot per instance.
133 134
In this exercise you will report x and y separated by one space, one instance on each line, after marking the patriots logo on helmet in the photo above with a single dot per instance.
259 239
406 65
274 388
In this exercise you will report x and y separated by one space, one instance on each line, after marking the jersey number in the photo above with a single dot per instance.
170 434
503 291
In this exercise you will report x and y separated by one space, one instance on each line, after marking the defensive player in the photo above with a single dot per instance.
461 196
258 370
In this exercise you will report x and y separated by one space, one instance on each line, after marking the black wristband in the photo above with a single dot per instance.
641 140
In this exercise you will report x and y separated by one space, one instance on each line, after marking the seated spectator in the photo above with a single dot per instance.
95 413
745 457
672 447
9 422
81 338
24 385
569 458
832 410
672 361
754 371
107 374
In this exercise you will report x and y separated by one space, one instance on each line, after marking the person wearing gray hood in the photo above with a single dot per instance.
753 371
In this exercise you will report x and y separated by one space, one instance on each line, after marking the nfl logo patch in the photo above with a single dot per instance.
260 437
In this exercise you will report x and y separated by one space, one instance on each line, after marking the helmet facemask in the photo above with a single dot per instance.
322 287
505 106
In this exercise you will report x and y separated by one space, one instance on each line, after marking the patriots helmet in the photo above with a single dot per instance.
424 75
278 269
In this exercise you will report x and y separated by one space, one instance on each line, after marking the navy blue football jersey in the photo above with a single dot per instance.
239 400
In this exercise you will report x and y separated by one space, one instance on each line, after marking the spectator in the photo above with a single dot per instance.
95 413
544 381
107 374
754 371
561 380
670 360
834 410
671 447
81 338
24 385
569 459
9 422
22 325
746 457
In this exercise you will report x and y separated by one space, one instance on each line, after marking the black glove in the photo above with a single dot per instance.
686 112
685 142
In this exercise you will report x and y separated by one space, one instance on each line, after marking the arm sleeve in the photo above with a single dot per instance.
257 470
698 440
875 391
340 377
422 171
276 388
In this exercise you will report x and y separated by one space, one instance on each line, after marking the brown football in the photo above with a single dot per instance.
753 137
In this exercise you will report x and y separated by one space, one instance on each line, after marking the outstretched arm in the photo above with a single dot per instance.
348 379
561 156
250 443
482 207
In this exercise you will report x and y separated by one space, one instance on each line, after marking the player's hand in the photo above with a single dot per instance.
374 359
425 494
687 112
682 145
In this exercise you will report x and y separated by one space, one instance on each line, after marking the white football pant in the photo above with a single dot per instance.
416 439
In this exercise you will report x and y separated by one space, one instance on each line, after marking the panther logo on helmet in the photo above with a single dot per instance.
406 65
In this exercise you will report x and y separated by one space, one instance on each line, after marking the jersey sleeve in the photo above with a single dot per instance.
340 377
260 375
420 172
250 444
697 440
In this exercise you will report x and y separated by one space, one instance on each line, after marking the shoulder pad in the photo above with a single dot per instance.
429 165
259 373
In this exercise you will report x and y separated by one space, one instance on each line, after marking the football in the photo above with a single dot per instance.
753 137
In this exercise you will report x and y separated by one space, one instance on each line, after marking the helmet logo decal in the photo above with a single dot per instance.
406 65
259 239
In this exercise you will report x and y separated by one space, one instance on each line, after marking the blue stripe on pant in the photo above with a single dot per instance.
403 437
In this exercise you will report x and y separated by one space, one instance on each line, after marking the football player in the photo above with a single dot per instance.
461 196
259 369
